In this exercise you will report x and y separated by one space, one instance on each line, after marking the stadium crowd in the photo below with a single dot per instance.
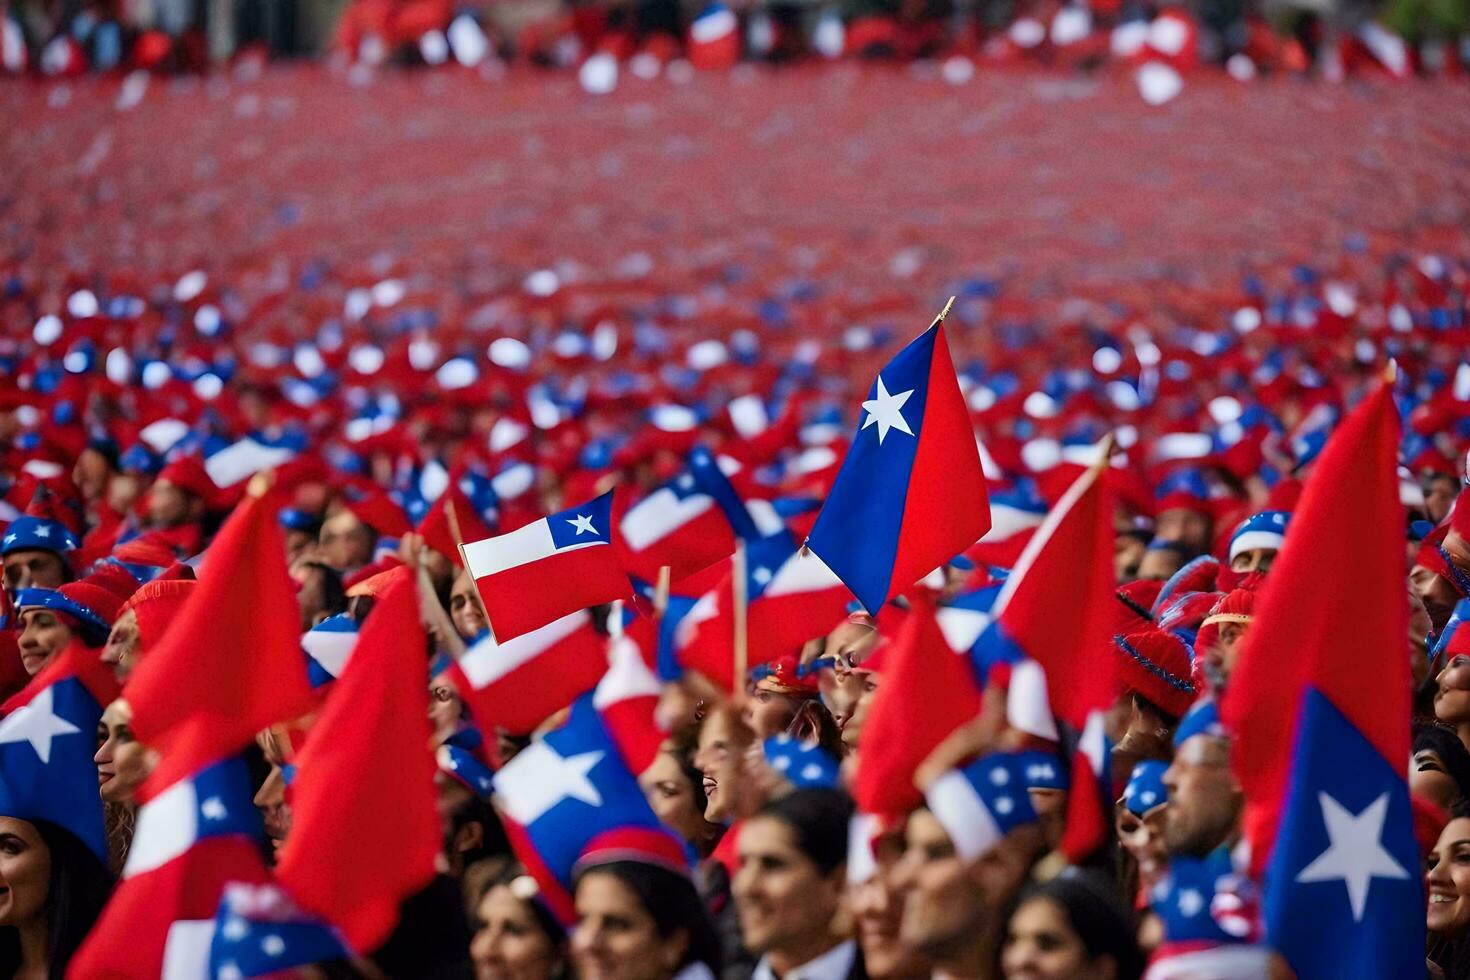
258 720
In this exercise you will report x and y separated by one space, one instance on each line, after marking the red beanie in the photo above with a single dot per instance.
1156 664
156 605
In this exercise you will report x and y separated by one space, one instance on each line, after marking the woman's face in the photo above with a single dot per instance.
672 798
464 610
1429 779
122 645
25 872
509 944
722 741
446 710
122 762
868 682
1452 699
1447 881
1040 944
768 713
43 635
616 938
1143 839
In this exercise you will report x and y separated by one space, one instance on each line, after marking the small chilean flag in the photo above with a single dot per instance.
911 493
548 569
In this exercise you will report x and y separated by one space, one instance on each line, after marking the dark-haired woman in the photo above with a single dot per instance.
1071 928
52 888
516 936
1440 771
641 921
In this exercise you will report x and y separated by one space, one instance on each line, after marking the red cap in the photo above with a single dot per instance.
1155 664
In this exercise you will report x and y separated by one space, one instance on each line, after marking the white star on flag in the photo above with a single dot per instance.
884 410
1355 855
582 523
213 809
36 723
540 777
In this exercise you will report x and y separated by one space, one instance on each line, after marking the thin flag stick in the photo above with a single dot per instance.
738 585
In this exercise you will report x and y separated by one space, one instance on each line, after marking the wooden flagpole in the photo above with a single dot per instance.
738 585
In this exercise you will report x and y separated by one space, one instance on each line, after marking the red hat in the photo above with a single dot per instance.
115 579
380 513
1136 599
1156 664
188 474
783 676
155 605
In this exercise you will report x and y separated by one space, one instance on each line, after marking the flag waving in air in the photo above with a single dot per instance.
548 568
1320 707
911 493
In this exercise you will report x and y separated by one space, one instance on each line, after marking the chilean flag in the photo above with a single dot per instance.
627 697
687 524
548 568
192 839
47 739
569 793
517 684
1052 621
911 493
791 597
1320 706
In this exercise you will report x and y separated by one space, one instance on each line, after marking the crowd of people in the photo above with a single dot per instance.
1396 39
203 523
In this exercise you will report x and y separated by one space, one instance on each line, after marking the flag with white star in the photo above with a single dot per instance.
192 840
548 569
47 739
1320 706
911 493
570 795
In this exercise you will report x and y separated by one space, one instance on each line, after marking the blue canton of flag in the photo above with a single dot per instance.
1343 890
46 767
565 792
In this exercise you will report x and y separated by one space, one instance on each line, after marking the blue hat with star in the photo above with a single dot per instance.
28 533
804 766
464 767
1145 789
1264 530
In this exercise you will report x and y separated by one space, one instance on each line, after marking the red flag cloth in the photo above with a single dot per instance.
926 693
627 697
364 783
437 531
518 684
1332 613
1058 604
231 663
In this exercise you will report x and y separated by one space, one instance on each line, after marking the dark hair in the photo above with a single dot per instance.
545 921
1101 920
493 841
819 819
1451 751
672 903
334 596
79 887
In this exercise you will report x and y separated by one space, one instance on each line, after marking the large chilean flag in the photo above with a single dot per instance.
911 494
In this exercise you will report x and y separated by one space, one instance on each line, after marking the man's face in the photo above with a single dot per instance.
1128 552
1159 564
1190 528
171 506
347 542
1204 800
1439 494
1253 560
1222 656
1436 592
942 908
783 900
35 569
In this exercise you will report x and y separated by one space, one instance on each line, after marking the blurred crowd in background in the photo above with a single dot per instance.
1332 38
